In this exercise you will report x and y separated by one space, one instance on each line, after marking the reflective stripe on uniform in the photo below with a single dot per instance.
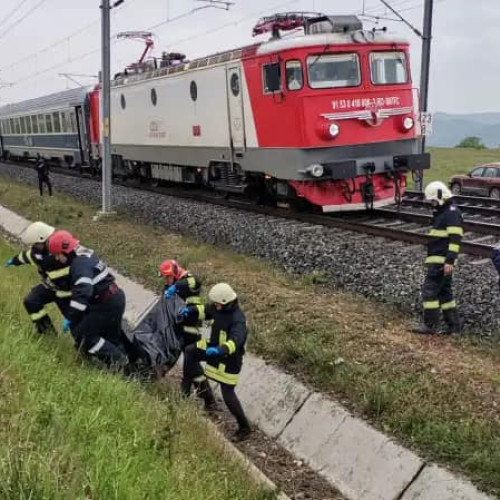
435 259
199 379
431 304
231 346
448 305
30 258
79 281
21 258
453 247
58 273
201 312
191 329
202 344
63 294
95 348
100 276
191 281
438 233
39 315
78 305
219 374
194 300
455 230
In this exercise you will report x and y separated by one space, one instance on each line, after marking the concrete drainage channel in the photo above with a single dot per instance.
301 426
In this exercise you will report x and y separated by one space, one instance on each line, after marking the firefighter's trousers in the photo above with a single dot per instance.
35 303
193 356
100 333
437 295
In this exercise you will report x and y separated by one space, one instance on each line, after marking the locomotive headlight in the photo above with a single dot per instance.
316 170
333 130
408 123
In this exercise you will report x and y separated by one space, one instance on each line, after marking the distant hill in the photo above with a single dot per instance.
448 129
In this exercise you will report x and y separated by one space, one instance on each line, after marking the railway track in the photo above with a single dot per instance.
389 223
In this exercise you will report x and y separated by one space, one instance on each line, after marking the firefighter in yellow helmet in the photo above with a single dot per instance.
224 350
55 285
442 252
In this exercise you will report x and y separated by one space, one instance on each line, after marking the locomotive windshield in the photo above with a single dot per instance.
388 68
333 70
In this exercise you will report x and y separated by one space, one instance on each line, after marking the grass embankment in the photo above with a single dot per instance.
446 162
71 432
438 395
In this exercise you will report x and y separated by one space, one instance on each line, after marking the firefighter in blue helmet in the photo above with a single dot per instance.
223 351
54 286
442 252
97 304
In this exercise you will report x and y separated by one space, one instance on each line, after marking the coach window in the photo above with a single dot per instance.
12 126
154 97
333 71
22 122
293 75
34 124
271 78
72 116
48 124
41 124
28 125
56 120
388 68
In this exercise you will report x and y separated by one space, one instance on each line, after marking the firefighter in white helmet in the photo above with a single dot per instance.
442 252
223 351
55 286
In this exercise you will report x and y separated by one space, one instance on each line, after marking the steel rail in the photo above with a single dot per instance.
474 249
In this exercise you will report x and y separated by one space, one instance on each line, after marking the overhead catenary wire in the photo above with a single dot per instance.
12 12
22 18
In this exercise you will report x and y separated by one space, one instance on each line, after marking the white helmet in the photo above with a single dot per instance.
437 191
38 232
222 293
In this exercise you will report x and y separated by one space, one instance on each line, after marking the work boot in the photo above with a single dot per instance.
424 329
452 321
430 323
242 434
114 357
44 325
204 391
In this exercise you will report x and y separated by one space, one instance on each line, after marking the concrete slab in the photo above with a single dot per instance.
12 223
436 483
270 397
363 463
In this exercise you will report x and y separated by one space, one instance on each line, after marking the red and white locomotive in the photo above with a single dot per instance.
327 116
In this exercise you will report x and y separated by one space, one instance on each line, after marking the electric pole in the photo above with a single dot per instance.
424 75
105 107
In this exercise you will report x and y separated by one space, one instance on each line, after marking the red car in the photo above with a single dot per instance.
483 180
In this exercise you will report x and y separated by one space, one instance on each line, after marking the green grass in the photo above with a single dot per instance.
446 162
69 431
438 396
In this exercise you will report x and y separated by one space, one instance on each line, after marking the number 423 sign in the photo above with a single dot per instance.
426 123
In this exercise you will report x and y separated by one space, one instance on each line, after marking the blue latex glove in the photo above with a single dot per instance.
213 351
10 262
184 312
170 291
66 325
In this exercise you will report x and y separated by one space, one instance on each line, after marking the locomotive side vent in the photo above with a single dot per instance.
332 24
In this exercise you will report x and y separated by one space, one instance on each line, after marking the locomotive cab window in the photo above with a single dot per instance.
333 70
271 78
293 75
388 68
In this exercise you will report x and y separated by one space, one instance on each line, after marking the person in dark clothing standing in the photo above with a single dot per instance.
97 304
55 286
185 285
224 351
442 252
43 174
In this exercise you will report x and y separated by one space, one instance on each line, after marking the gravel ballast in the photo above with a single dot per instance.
387 271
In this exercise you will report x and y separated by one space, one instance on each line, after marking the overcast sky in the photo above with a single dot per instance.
47 37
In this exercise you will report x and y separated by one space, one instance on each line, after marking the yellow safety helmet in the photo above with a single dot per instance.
37 232
437 191
222 293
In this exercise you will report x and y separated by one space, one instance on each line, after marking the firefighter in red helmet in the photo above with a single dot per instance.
97 304
180 282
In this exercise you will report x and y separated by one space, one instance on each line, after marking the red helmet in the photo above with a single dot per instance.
170 268
62 242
